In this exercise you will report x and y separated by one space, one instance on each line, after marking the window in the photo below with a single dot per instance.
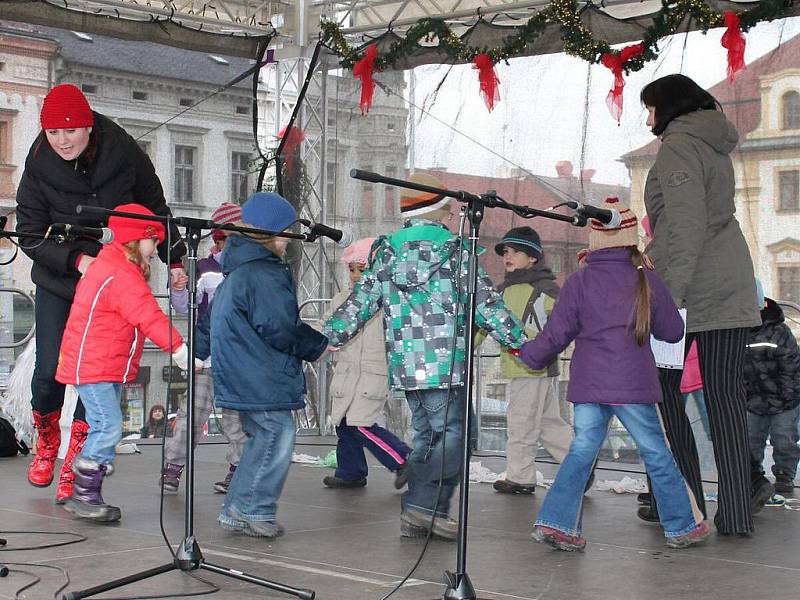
390 126
5 144
789 284
555 262
186 102
242 109
240 162
389 209
789 190
791 110
330 181
87 88
184 174
137 95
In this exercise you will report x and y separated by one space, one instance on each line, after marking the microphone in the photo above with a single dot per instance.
610 218
104 235
342 238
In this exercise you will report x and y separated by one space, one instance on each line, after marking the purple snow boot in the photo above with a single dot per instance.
86 501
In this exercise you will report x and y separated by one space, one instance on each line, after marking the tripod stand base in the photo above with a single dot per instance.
189 558
459 587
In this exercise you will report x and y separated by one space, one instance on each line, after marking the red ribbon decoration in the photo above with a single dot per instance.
487 76
733 39
294 136
363 69
616 62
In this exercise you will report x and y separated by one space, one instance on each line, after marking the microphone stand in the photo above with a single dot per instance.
459 586
189 556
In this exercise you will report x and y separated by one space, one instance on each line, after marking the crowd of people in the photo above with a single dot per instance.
402 327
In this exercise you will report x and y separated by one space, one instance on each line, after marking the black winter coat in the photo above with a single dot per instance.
51 188
772 365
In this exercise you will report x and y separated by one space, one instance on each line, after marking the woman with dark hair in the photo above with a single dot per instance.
79 157
699 250
156 425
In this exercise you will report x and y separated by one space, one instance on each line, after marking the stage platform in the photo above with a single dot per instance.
346 545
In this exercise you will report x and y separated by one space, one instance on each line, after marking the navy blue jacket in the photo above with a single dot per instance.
259 342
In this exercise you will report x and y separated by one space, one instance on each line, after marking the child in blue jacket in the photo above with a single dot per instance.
257 349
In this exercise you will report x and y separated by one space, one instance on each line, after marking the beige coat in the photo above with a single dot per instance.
360 385
698 247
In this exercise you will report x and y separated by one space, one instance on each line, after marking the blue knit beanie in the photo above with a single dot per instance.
268 210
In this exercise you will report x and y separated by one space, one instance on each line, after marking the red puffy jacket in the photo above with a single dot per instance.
113 311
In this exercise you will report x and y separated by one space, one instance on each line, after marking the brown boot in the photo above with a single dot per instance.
80 429
40 472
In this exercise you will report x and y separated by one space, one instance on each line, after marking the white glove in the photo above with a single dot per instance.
181 357
198 364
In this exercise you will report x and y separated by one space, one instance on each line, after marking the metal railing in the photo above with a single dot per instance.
30 299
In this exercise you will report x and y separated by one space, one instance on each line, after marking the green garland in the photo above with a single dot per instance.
578 40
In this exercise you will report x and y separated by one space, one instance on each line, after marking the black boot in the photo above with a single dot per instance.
761 491
86 501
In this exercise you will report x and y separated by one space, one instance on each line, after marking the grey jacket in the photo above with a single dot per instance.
698 247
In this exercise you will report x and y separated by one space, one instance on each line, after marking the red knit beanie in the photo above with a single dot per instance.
127 229
65 107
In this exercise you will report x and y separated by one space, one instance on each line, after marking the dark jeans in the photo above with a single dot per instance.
47 395
782 432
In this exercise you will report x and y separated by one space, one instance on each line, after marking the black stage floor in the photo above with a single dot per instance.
345 545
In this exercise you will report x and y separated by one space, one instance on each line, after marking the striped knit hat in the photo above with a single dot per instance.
625 235
225 213
414 203
524 239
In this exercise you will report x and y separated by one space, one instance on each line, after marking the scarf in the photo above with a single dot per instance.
539 276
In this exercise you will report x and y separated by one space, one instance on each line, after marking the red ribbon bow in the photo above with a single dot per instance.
733 39
363 69
616 62
294 136
487 76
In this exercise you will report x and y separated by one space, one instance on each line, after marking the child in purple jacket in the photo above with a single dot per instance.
610 307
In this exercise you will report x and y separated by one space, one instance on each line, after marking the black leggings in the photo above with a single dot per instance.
47 395
721 354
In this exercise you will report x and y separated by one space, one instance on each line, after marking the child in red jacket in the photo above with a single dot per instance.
113 311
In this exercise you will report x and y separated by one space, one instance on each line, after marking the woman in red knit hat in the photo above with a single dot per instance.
113 311
80 157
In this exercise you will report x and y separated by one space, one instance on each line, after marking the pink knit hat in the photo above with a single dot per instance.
358 252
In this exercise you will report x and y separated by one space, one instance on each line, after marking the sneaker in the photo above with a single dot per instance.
784 486
698 535
648 513
645 498
401 477
762 490
221 487
558 539
506 486
416 523
171 477
261 529
336 482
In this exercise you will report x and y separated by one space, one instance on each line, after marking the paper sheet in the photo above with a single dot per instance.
670 356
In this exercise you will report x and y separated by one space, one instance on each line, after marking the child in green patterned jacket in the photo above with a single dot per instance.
415 280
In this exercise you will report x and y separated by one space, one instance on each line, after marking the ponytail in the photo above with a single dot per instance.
640 321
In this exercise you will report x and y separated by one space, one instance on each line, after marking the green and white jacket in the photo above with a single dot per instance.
415 280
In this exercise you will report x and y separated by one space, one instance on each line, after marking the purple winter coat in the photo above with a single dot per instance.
595 309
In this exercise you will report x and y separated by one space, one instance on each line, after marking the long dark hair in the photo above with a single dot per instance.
640 320
673 96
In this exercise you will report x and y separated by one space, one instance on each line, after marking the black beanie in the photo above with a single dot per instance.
524 239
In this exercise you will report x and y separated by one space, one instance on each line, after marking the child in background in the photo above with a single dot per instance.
359 390
772 381
610 307
529 291
209 272
113 311
258 348
156 425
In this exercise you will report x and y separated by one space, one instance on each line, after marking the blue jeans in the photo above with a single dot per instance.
563 505
259 478
700 401
782 431
430 462
104 416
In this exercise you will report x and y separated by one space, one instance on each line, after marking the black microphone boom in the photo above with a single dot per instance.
608 217
342 238
104 235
